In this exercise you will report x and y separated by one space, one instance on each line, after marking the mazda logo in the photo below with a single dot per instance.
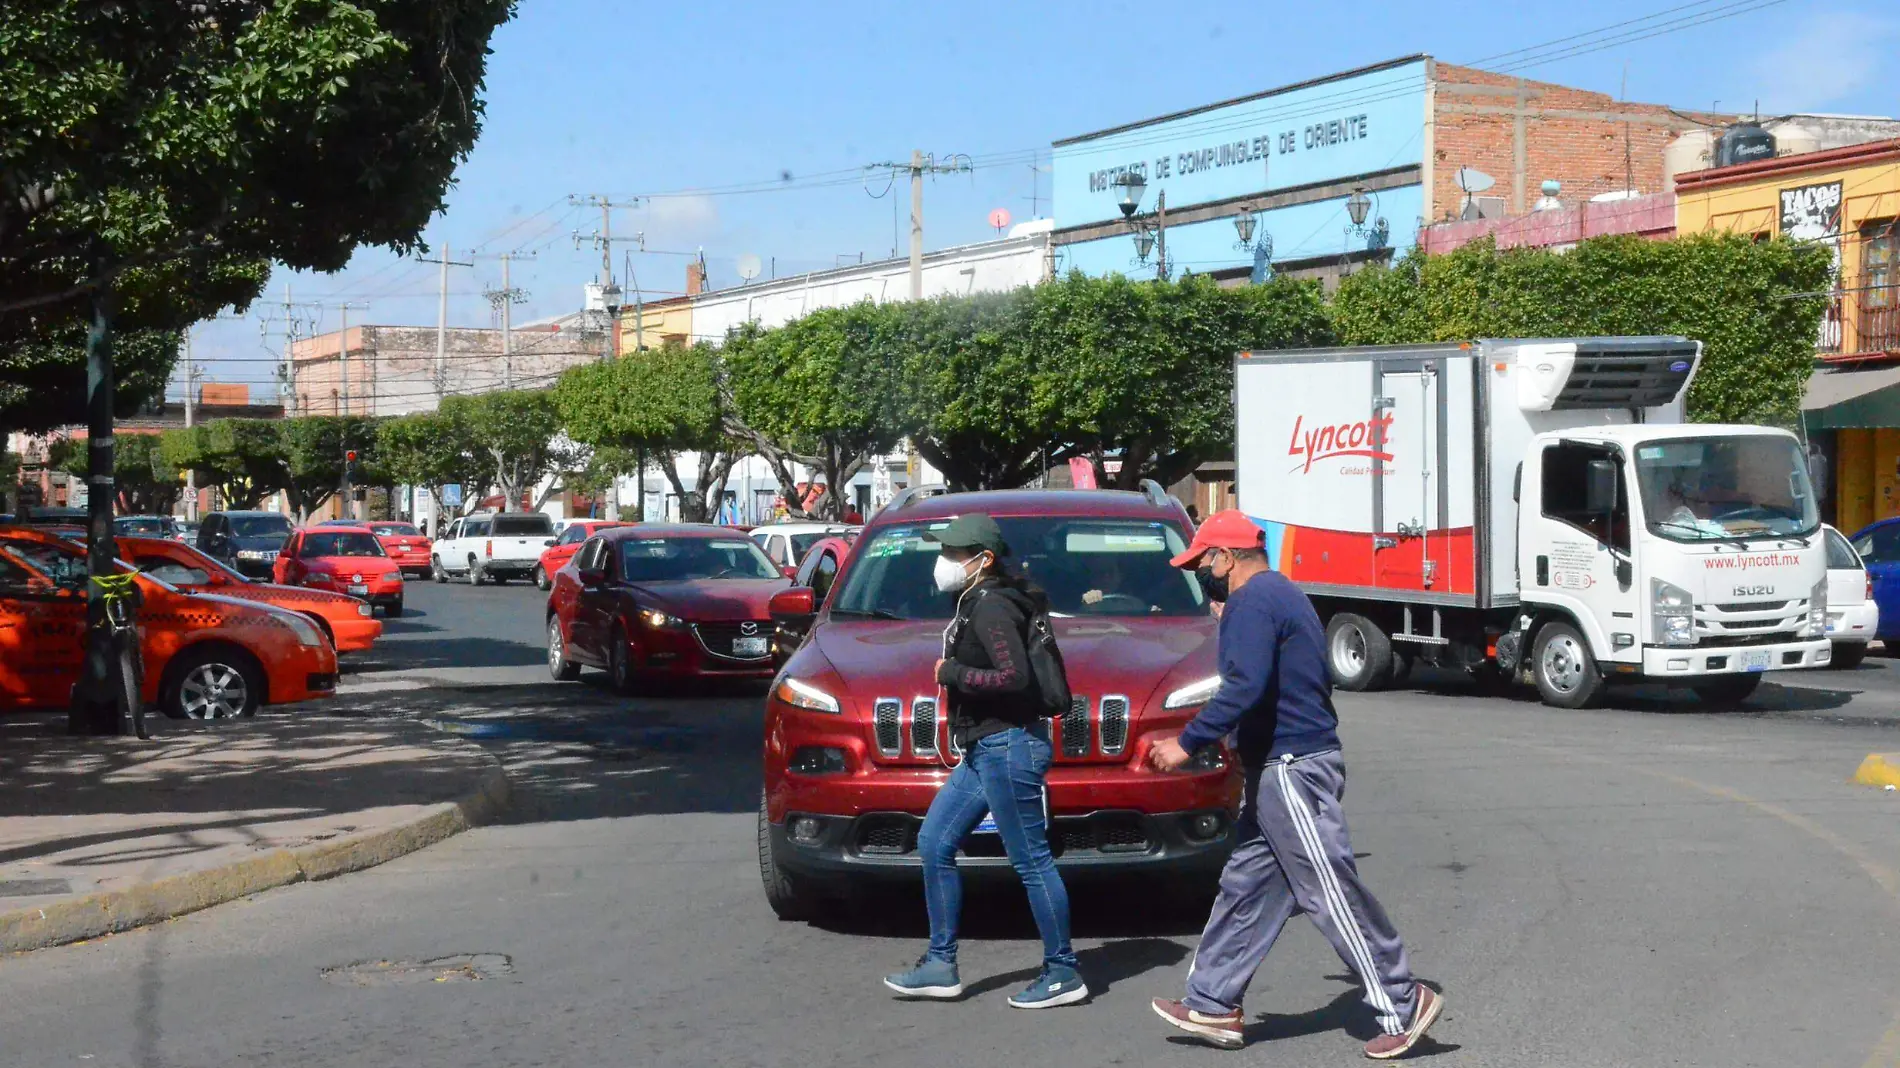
748 627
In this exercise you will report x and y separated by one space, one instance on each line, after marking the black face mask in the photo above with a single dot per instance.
1214 586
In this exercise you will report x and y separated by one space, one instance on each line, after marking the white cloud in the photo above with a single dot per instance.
1827 57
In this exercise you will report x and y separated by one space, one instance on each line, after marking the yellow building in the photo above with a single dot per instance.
1848 198
655 323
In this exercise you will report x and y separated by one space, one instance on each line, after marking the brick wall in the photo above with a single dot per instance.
1573 135
395 365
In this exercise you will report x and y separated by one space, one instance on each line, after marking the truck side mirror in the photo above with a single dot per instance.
1599 489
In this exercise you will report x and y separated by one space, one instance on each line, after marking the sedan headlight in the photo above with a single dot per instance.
365 609
1194 693
306 631
659 620
1671 613
805 695
1817 609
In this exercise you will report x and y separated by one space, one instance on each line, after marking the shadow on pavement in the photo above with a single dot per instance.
1819 695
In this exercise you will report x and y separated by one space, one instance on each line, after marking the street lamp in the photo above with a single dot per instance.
1357 205
1244 224
1148 236
1144 242
1132 185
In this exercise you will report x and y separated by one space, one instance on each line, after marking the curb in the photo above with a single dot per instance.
1879 769
121 910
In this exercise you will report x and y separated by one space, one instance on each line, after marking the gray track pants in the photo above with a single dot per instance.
1294 853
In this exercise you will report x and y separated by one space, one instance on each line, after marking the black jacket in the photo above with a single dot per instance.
986 676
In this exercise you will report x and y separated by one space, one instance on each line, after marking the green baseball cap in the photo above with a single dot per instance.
972 531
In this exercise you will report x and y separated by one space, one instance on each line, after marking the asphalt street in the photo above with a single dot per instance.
1639 884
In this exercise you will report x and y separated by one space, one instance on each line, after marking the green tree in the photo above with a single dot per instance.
515 432
1752 305
826 391
663 403
150 134
146 480
428 451
971 371
312 453
242 458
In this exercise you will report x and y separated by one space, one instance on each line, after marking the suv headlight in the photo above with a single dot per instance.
805 695
1671 613
1817 609
1194 693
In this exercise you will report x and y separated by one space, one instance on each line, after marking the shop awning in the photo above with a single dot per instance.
1829 388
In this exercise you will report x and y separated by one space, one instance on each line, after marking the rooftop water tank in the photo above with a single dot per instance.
1693 151
1744 142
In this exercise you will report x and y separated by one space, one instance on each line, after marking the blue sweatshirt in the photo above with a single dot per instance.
1275 690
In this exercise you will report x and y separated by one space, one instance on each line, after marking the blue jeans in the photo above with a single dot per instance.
1003 774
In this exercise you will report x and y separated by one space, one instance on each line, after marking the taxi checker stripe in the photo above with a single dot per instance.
1343 916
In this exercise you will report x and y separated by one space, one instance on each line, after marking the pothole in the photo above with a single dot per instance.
459 968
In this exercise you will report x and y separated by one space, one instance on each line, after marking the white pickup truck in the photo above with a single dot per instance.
492 546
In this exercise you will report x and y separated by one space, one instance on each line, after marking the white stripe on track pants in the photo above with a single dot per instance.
1294 854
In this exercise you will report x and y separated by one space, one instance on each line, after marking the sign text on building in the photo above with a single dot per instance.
1247 150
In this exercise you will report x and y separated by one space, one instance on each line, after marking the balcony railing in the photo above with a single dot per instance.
1860 322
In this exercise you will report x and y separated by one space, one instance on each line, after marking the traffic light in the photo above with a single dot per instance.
349 457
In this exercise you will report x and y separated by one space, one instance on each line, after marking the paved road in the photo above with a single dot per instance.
1643 884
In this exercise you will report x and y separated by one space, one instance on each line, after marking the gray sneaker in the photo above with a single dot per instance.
930 979
1057 985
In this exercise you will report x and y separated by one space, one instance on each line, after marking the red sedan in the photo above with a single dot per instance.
556 556
343 560
658 602
401 542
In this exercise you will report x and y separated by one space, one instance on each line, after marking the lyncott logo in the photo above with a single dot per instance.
1749 563
1365 438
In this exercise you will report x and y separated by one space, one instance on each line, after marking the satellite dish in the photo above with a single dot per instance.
749 266
1472 180
999 218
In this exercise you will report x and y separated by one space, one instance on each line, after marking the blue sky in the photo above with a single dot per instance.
593 96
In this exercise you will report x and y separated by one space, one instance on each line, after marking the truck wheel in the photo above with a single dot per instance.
1847 655
1358 652
475 576
789 899
435 569
1728 690
1566 673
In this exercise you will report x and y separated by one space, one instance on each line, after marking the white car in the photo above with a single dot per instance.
786 543
491 547
1852 616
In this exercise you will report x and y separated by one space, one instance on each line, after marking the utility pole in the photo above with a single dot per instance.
504 300
1161 234
442 324
191 409
343 357
603 240
920 165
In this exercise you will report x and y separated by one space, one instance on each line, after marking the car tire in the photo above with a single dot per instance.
1727 691
1564 668
1358 653
475 576
1847 655
435 569
559 666
541 578
393 611
789 898
212 681
619 663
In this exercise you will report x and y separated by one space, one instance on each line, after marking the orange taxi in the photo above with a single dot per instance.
205 656
349 622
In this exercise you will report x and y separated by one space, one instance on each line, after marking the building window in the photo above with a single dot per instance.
1879 319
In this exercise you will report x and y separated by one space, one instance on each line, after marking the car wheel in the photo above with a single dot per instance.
435 569
475 576
1566 673
1358 653
1727 691
559 666
789 899
1847 655
212 682
541 577
619 662
393 610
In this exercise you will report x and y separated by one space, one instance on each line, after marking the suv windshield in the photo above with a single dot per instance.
347 543
259 526
1712 489
1088 567
674 559
524 526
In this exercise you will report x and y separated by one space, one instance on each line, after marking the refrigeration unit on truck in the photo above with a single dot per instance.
1535 510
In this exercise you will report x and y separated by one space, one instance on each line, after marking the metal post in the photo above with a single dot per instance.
1161 234
95 704
916 224
507 334
442 331
191 473
343 365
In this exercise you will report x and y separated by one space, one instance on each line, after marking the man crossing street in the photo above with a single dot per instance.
1293 853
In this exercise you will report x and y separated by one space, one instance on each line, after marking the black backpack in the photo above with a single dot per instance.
1045 663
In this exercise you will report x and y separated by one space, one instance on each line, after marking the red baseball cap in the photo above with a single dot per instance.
1229 529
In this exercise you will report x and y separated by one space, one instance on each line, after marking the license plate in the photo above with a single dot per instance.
749 646
1756 660
359 590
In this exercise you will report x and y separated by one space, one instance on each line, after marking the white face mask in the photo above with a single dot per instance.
950 575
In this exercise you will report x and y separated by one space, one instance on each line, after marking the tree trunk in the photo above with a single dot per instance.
692 505
96 702
715 469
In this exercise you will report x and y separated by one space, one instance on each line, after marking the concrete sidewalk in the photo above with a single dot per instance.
105 834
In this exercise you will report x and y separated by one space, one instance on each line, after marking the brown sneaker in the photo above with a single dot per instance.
1424 1014
1223 1031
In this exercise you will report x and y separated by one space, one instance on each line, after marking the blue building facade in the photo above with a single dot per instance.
1291 158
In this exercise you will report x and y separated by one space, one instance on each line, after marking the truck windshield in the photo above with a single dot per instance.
1715 489
1087 566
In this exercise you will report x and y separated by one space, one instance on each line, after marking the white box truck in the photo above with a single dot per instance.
1534 510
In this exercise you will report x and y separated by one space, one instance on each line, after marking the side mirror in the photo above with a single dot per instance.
793 607
789 571
549 541
1599 490
590 578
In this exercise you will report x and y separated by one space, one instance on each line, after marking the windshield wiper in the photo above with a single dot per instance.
870 613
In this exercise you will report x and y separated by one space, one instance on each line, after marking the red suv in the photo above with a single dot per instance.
855 748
